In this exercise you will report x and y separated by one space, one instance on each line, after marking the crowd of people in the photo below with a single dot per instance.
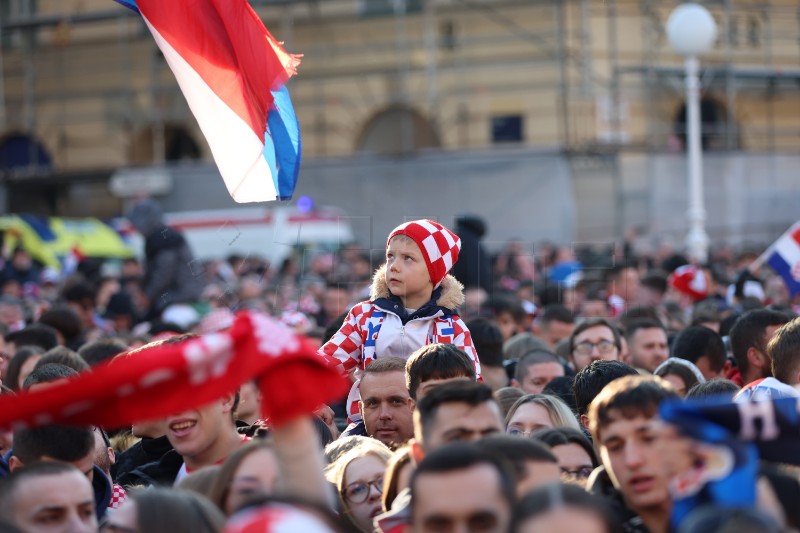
507 392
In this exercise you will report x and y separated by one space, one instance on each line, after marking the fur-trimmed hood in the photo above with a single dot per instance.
451 297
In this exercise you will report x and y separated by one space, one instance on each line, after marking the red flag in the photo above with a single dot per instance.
171 378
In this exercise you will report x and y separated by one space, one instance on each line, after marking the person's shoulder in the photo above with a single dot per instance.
364 308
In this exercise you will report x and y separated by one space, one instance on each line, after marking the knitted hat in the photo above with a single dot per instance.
275 518
690 280
439 245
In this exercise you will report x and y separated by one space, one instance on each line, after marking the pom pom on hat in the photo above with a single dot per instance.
439 245
690 280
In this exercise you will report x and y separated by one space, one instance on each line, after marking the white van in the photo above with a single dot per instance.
272 233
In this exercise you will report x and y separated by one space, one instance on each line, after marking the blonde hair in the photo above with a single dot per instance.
560 413
335 471
403 236
398 461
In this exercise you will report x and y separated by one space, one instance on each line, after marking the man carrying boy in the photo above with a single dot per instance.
412 304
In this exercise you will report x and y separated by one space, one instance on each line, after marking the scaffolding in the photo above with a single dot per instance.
457 60
405 76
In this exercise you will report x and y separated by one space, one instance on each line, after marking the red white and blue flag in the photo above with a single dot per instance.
784 258
232 72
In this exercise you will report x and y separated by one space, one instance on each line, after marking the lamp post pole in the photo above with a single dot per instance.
697 239
691 31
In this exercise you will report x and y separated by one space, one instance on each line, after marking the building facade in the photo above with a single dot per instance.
85 91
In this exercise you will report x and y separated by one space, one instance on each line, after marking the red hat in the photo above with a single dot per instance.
690 280
439 245
275 518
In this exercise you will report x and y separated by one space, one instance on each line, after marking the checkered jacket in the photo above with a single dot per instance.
356 344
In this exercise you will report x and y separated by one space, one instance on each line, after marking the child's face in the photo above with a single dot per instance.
406 273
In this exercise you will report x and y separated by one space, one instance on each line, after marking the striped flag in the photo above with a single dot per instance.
171 378
784 258
232 72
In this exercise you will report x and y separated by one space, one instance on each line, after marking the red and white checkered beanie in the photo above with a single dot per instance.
439 245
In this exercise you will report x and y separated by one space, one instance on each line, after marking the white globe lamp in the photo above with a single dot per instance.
691 30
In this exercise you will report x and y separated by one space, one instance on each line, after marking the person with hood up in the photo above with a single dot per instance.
474 266
169 278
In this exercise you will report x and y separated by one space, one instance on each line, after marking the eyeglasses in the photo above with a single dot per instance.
519 433
358 492
585 348
579 473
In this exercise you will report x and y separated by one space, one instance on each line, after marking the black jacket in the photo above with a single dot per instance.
162 472
102 492
473 268
600 484
144 452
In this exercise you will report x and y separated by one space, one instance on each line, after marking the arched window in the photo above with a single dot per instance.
713 122
397 130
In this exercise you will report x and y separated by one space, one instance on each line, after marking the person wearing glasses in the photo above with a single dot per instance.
575 454
358 476
594 339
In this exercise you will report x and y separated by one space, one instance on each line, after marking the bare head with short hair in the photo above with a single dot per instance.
461 484
384 402
536 369
628 397
784 349
593 323
47 488
385 364
437 362
470 412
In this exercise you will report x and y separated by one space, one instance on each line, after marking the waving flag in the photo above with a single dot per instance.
784 258
172 378
232 73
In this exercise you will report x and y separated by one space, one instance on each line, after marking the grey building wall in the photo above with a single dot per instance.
535 196
521 194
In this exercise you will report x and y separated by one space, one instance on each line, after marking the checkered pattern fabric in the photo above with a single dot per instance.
439 245
353 346
118 497
690 280
345 350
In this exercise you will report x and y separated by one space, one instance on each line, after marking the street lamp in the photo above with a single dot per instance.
691 31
